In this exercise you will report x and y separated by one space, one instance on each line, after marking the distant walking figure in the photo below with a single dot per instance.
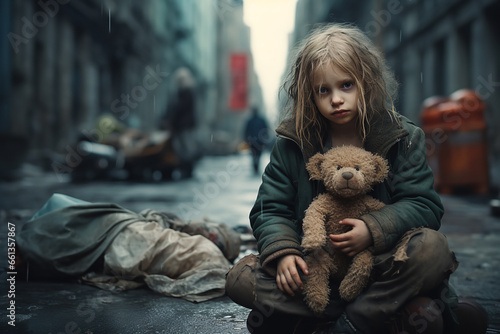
180 119
256 136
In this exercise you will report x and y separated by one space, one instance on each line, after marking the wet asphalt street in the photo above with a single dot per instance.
223 190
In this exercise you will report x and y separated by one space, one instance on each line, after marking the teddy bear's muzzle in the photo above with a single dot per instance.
347 175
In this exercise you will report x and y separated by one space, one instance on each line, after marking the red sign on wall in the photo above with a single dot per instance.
239 86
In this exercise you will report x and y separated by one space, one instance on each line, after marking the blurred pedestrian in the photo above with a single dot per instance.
182 115
180 120
256 136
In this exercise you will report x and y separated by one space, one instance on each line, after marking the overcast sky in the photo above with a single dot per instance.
270 21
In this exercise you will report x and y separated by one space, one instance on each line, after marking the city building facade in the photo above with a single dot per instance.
65 63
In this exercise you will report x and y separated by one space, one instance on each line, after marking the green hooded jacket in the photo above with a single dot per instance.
286 191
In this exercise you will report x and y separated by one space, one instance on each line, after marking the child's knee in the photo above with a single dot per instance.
240 281
429 250
424 244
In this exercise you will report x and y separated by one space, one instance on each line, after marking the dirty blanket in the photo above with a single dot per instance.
69 236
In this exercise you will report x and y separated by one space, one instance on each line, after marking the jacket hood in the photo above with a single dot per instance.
383 132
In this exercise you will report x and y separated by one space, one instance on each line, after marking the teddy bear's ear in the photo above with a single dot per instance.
313 166
381 168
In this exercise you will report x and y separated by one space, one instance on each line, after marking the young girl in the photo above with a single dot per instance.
342 94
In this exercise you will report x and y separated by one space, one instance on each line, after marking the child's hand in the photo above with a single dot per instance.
354 241
288 277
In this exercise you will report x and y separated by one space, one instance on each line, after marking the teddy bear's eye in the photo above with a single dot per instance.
356 168
339 167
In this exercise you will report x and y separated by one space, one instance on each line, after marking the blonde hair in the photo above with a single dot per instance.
352 51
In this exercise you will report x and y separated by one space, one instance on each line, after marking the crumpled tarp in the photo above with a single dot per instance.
69 236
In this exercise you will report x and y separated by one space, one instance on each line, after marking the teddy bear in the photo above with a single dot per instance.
348 173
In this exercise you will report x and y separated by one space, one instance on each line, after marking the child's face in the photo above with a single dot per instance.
335 95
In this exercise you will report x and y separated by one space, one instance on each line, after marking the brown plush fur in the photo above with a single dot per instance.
348 173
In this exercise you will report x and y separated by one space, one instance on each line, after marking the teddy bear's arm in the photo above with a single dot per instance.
372 204
314 223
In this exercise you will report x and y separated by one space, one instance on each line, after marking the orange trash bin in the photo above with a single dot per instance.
456 142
